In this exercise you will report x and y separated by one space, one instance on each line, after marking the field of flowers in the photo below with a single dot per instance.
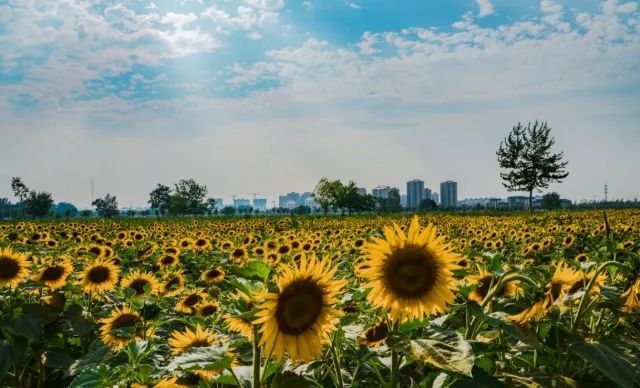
394 301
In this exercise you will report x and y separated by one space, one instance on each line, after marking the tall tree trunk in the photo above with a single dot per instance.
530 203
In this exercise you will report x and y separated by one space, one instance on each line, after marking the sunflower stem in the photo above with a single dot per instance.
256 358
593 279
235 377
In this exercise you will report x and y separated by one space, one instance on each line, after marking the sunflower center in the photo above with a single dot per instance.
173 283
213 274
555 290
411 272
9 267
124 320
377 333
208 310
299 306
138 285
99 274
198 343
192 300
53 273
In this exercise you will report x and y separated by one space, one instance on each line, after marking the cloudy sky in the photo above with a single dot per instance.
268 96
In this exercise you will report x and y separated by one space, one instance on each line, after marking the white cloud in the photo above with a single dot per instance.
485 8
353 5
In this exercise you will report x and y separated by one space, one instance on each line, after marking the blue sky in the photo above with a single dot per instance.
271 95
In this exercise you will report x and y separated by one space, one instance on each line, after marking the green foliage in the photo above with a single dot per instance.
551 201
188 197
38 204
106 206
527 161
160 198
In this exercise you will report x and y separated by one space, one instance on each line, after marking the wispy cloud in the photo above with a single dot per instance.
485 8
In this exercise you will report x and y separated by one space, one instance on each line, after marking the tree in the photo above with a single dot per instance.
551 201
5 208
393 202
160 198
189 198
211 205
228 211
38 204
527 162
302 210
427 204
20 190
326 193
107 206
347 197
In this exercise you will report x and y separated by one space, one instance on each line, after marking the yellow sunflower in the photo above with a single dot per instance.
101 276
121 327
410 274
240 325
563 279
483 280
213 275
631 296
54 275
173 284
13 268
188 303
375 336
182 341
208 308
299 318
138 281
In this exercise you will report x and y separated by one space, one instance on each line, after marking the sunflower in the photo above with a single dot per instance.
484 280
55 275
168 260
631 296
138 281
563 279
375 335
208 308
185 340
121 327
213 275
188 303
99 277
13 268
240 325
299 318
170 382
173 284
202 245
409 274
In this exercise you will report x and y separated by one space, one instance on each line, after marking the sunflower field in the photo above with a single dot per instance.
387 301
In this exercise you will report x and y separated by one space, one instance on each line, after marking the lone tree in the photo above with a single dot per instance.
527 161
189 198
325 193
107 206
38 204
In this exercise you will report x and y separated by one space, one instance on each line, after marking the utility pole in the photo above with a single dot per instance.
606 191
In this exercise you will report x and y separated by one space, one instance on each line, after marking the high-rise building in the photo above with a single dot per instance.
219 203
241 203
361 191
260 204
403 200
381 192
427 193
449 194
415 193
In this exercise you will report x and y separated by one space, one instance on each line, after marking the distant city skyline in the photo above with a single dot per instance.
270 96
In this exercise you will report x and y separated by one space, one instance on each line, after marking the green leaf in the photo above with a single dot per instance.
91 360
92 378
445 350
57 358
256 270
201 358
606 360
10 353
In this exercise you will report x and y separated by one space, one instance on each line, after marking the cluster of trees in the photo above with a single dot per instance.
186 197
333 194
34 203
